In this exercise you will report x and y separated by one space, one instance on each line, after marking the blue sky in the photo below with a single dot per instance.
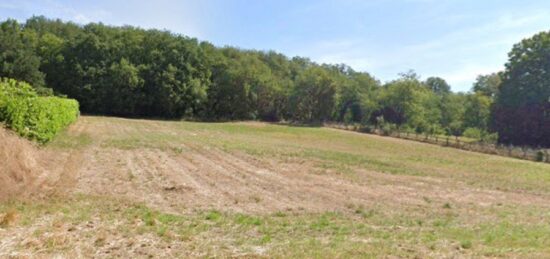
454 39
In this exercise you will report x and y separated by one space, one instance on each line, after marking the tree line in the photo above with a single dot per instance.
132 72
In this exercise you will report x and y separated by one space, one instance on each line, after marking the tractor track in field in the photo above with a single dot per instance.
200 177
120 164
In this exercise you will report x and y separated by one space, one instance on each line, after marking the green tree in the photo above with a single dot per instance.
452 112
487 85
18 59
521 114
125 94
356 95
407 102
314 96
438 85
243 87
477 111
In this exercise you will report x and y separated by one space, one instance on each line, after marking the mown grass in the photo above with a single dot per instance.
66 140
359 233
438 228
339 150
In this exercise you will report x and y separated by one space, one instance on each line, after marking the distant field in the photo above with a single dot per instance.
164 188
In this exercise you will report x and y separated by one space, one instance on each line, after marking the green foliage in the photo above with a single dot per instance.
438 85
355 96
407 102
521 113
490 137
452 112
313 98
540 156
13 88
487 85
477 111
388 128
473 133
480 135
133 72
455 128
466 244
18 59
243 87
32 116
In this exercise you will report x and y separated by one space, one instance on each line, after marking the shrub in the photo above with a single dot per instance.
14 88
539 156
367 129
388 128
434 129
490 138
473 133
32 116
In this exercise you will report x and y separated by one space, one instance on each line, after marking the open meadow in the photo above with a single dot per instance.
127 187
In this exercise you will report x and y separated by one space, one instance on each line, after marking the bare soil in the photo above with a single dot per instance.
205 177
185 177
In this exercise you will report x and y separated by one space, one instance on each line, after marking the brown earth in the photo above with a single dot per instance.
115 159
206 177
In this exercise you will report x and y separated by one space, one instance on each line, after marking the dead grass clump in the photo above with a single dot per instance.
18 165
8 218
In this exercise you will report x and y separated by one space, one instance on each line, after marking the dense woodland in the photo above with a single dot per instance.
128 71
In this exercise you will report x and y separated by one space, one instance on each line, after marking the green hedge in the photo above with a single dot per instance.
32 116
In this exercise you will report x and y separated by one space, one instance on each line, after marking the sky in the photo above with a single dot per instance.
453 39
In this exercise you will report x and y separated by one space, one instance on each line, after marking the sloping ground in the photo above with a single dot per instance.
140 188
28 172
168 167
19 167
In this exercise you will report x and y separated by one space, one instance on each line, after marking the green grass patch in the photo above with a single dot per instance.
72 141
328 234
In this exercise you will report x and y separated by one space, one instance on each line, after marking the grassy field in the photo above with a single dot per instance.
177 189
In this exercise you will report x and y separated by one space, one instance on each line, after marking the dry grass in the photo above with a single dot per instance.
179 189
28 171
8 218
18 165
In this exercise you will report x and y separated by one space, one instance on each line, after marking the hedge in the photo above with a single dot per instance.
32 116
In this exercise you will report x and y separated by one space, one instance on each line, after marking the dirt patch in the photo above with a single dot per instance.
176 168
202 178
199 177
